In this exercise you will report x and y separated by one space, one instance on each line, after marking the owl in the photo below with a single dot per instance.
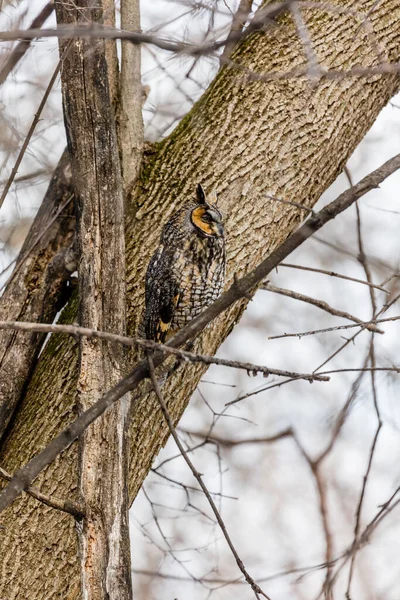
187 271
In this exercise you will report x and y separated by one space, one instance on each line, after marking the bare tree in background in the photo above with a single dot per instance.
299 86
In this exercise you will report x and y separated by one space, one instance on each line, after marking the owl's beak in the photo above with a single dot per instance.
219 229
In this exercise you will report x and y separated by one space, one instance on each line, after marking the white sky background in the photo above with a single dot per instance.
274 519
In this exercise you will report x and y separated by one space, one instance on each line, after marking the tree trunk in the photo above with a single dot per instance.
103 460
245 137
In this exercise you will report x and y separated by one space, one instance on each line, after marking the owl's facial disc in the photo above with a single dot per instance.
208 219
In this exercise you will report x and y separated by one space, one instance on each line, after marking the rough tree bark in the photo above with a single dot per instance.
244 137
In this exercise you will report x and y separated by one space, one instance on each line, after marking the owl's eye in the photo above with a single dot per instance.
208 220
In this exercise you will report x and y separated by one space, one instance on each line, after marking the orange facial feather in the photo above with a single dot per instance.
197 219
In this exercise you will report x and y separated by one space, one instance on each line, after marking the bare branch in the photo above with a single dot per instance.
238 23
306 209
364 261
333 274
127 341
66 506
30 133
18 52
323 508
319 304
217 439
213 360
362 324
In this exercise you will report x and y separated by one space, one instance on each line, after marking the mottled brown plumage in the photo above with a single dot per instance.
186 273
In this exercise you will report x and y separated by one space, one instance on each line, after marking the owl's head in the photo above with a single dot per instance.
206 217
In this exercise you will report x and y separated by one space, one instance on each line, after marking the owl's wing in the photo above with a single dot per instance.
162 296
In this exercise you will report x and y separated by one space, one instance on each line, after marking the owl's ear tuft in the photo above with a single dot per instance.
201 197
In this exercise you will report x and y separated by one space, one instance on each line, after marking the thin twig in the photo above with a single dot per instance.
72 508
21 48
213 360
341 418
362 324
238 23
29 176
190 487
364 261
392 369
256 589
319 304
313 67
385 307
30 132
308 210
259 390
241 442
314 466
129 341
333 274
300 334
